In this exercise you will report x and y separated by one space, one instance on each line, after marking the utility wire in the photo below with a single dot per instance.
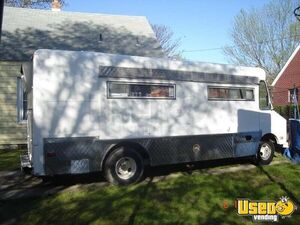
297 13
203 50
232 46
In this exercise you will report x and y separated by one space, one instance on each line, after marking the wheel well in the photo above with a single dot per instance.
140 149
269 137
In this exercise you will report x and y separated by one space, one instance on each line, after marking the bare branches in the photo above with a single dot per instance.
264 37
35 4
169 44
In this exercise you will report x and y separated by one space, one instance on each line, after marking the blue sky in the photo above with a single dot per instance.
201 24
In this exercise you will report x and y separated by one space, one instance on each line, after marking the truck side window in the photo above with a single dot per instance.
263 96
230 94
140 90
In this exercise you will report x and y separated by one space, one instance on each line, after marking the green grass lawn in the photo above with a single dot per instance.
9 160
186 199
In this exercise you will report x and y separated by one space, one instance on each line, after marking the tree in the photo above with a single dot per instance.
35 4
264 37
168 42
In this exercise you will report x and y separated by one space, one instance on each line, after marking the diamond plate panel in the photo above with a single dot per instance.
171 150
71 155
81 155
163 74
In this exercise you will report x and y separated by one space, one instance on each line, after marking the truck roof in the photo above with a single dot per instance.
90 59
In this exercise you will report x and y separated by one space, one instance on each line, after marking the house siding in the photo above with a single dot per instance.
11 132
289 78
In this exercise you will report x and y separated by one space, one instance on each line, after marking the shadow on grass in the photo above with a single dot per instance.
194 199
101 196
18 185
281 185
138 204
9 160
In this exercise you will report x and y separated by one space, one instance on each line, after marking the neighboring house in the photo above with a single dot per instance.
25 30
287 79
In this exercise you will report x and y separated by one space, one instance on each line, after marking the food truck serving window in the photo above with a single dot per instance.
230 93
140 90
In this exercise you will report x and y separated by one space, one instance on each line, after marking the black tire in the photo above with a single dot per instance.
265 153
123 166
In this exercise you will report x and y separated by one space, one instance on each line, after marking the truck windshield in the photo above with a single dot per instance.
264 100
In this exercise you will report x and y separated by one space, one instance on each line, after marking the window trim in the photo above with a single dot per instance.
291 94
230 99
269 106
140 97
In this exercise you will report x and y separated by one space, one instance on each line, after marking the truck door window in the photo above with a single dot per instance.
264 102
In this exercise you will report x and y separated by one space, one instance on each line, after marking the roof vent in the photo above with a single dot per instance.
56 6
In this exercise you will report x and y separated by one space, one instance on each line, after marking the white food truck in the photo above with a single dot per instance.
91 111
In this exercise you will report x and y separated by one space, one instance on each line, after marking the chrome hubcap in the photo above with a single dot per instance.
265 151
126 168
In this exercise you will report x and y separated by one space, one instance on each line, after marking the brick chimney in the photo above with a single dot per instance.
56 7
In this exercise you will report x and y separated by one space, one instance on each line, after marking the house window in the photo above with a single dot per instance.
291 95
21 101
140 90
230 94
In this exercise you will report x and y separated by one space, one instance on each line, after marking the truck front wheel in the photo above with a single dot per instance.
123 166
265 153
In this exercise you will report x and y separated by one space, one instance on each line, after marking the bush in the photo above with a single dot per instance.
287 111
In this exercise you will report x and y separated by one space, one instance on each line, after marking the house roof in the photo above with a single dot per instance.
26 30
286 65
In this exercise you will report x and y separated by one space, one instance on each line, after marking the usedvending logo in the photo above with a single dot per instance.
265 210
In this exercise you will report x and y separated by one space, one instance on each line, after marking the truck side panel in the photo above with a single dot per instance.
74 122
83 155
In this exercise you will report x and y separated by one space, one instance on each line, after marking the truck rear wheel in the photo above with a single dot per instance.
265 153
123 166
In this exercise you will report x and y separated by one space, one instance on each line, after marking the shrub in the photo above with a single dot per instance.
287 111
